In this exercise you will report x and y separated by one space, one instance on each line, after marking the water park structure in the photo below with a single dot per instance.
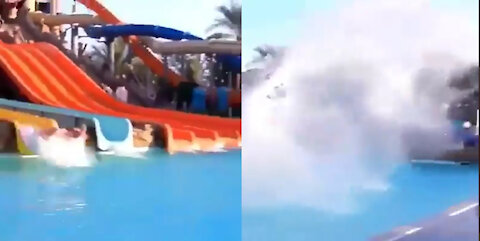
59 88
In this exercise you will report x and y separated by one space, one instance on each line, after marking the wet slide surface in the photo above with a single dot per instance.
24 119
46 76
112 132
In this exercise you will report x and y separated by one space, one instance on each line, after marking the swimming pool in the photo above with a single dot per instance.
417 192
161 197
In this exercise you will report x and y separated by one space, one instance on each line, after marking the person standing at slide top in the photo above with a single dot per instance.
185 90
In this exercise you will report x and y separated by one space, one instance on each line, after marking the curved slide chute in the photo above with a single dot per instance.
112 133
141 51
111 31
139 30
230 62
46 76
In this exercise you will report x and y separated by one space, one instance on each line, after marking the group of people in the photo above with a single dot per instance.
196 98
191 96
180 97
121 92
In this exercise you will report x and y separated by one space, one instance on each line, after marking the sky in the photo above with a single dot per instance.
263 21
268 22
185 15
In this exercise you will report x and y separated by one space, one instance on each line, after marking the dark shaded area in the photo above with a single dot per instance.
92 138
7 7
185 90
465 107
8 90
237 111
467 80
165 93
8 143
159 136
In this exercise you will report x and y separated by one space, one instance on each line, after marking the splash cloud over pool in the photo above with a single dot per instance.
354 83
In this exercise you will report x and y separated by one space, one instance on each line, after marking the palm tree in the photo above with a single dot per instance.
266 52
268 56
119 51
231 20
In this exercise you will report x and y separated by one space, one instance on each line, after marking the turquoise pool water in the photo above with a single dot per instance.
180 197
416 192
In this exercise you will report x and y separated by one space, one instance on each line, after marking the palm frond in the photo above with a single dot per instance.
220 36
231 20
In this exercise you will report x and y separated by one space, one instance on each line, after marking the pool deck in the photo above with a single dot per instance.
468 155
457 223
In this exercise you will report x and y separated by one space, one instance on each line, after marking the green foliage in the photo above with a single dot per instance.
231 21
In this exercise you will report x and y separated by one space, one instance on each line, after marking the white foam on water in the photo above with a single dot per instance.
353 84
65 152
59 151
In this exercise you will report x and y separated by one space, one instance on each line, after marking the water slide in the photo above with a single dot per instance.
112 133
173 47
56 20
230 61
232 49
46 76
229 50
141 51
19 119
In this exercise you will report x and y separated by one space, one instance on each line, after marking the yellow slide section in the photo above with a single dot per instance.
22 119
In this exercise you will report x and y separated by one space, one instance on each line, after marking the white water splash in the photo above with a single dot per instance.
354 83
66 153
59 151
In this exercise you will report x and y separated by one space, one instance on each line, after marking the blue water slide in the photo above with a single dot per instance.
230 62
139 30
112 133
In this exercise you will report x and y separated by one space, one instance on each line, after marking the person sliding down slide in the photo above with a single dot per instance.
64 133
58 146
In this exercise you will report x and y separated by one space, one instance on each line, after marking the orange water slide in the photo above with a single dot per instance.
59 82
146 55
222 126
81 78
138 48
37 85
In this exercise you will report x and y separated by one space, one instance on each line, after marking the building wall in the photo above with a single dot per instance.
54 7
